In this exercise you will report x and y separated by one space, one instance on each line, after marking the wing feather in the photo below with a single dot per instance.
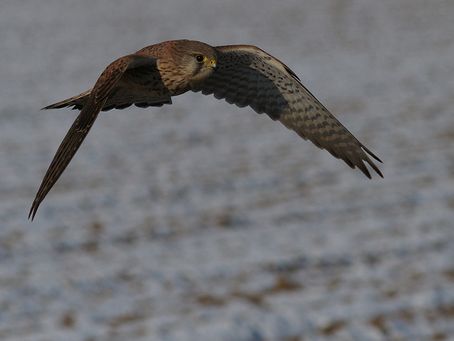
83 123
141 86
247 75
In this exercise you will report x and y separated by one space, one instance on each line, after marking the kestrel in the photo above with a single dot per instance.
241 74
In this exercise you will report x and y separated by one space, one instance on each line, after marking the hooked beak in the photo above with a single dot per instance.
212 63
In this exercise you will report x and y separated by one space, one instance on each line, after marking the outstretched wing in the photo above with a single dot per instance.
248 76
81 126
141 86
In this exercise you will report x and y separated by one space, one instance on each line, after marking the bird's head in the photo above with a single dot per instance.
196 59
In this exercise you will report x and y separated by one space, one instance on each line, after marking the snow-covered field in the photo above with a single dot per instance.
202 221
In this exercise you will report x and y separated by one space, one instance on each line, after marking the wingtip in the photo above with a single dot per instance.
32 212
51 106
368 151
365 171
379 172
362 166
375 168
371 163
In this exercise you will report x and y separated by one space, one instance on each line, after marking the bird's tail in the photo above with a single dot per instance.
77 102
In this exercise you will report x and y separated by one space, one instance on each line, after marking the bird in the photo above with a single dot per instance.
244 75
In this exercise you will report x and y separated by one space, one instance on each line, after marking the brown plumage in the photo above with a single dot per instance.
241 74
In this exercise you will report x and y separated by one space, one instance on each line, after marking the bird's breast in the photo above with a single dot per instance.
174 78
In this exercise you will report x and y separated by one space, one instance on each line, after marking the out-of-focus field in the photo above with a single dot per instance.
203 221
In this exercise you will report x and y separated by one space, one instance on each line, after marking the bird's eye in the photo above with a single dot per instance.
199 58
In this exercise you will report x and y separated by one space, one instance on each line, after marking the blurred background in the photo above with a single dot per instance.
203 221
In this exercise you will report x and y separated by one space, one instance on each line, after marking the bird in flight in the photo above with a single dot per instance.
243 75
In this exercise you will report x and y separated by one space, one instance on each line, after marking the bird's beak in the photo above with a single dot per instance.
212 63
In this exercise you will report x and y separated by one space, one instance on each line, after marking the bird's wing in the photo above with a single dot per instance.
248 76
77 102
81 126
141 85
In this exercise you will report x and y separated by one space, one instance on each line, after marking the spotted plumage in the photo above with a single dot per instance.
241 74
